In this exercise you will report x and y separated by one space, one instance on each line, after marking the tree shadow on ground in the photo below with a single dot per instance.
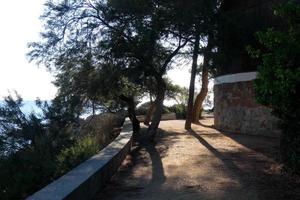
147 175
268 146
158 176
204 125
265 145
252 172
144 153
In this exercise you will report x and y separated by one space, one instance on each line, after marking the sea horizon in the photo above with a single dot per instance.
29 106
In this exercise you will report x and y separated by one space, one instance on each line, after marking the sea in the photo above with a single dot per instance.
31 107
28 107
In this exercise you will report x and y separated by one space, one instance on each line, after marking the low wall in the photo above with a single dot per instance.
86 179
236 109
168 116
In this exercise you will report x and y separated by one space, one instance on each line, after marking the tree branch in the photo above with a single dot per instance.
174 53
107 23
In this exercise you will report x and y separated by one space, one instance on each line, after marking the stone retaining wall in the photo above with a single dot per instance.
237 111
85 180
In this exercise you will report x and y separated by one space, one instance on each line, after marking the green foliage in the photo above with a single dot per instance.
100 51
278 82
25 171
68 158
17 128
176 92
35 150
26 157
179 110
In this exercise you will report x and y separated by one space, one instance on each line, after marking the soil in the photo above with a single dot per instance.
201 164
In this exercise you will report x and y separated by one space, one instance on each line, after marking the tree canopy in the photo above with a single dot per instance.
278 83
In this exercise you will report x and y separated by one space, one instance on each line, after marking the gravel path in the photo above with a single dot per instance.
201 164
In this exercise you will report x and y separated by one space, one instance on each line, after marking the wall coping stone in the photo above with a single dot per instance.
233 78
86 179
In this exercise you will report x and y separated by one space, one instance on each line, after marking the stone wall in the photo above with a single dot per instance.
237 111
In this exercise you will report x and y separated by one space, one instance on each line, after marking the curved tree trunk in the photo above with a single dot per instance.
158 107
197 110
149 114
189 115
131 113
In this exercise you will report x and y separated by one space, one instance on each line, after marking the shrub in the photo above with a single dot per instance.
278 81
97 132
143 109
102 127
179 110
84 148
35 150
24 172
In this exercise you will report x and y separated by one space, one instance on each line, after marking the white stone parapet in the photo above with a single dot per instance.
233 78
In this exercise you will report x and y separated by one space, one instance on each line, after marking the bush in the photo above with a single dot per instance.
35 150
179 110
24 172
278 81
143 109
83 149
97 132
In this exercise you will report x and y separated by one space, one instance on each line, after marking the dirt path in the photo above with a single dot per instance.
202 164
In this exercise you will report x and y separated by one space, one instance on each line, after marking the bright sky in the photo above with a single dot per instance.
20 24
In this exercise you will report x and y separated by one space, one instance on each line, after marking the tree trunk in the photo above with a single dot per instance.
189 115
161 87
149 114
131 113
94 109
197 110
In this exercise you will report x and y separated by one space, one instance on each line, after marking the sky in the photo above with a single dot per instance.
20 24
